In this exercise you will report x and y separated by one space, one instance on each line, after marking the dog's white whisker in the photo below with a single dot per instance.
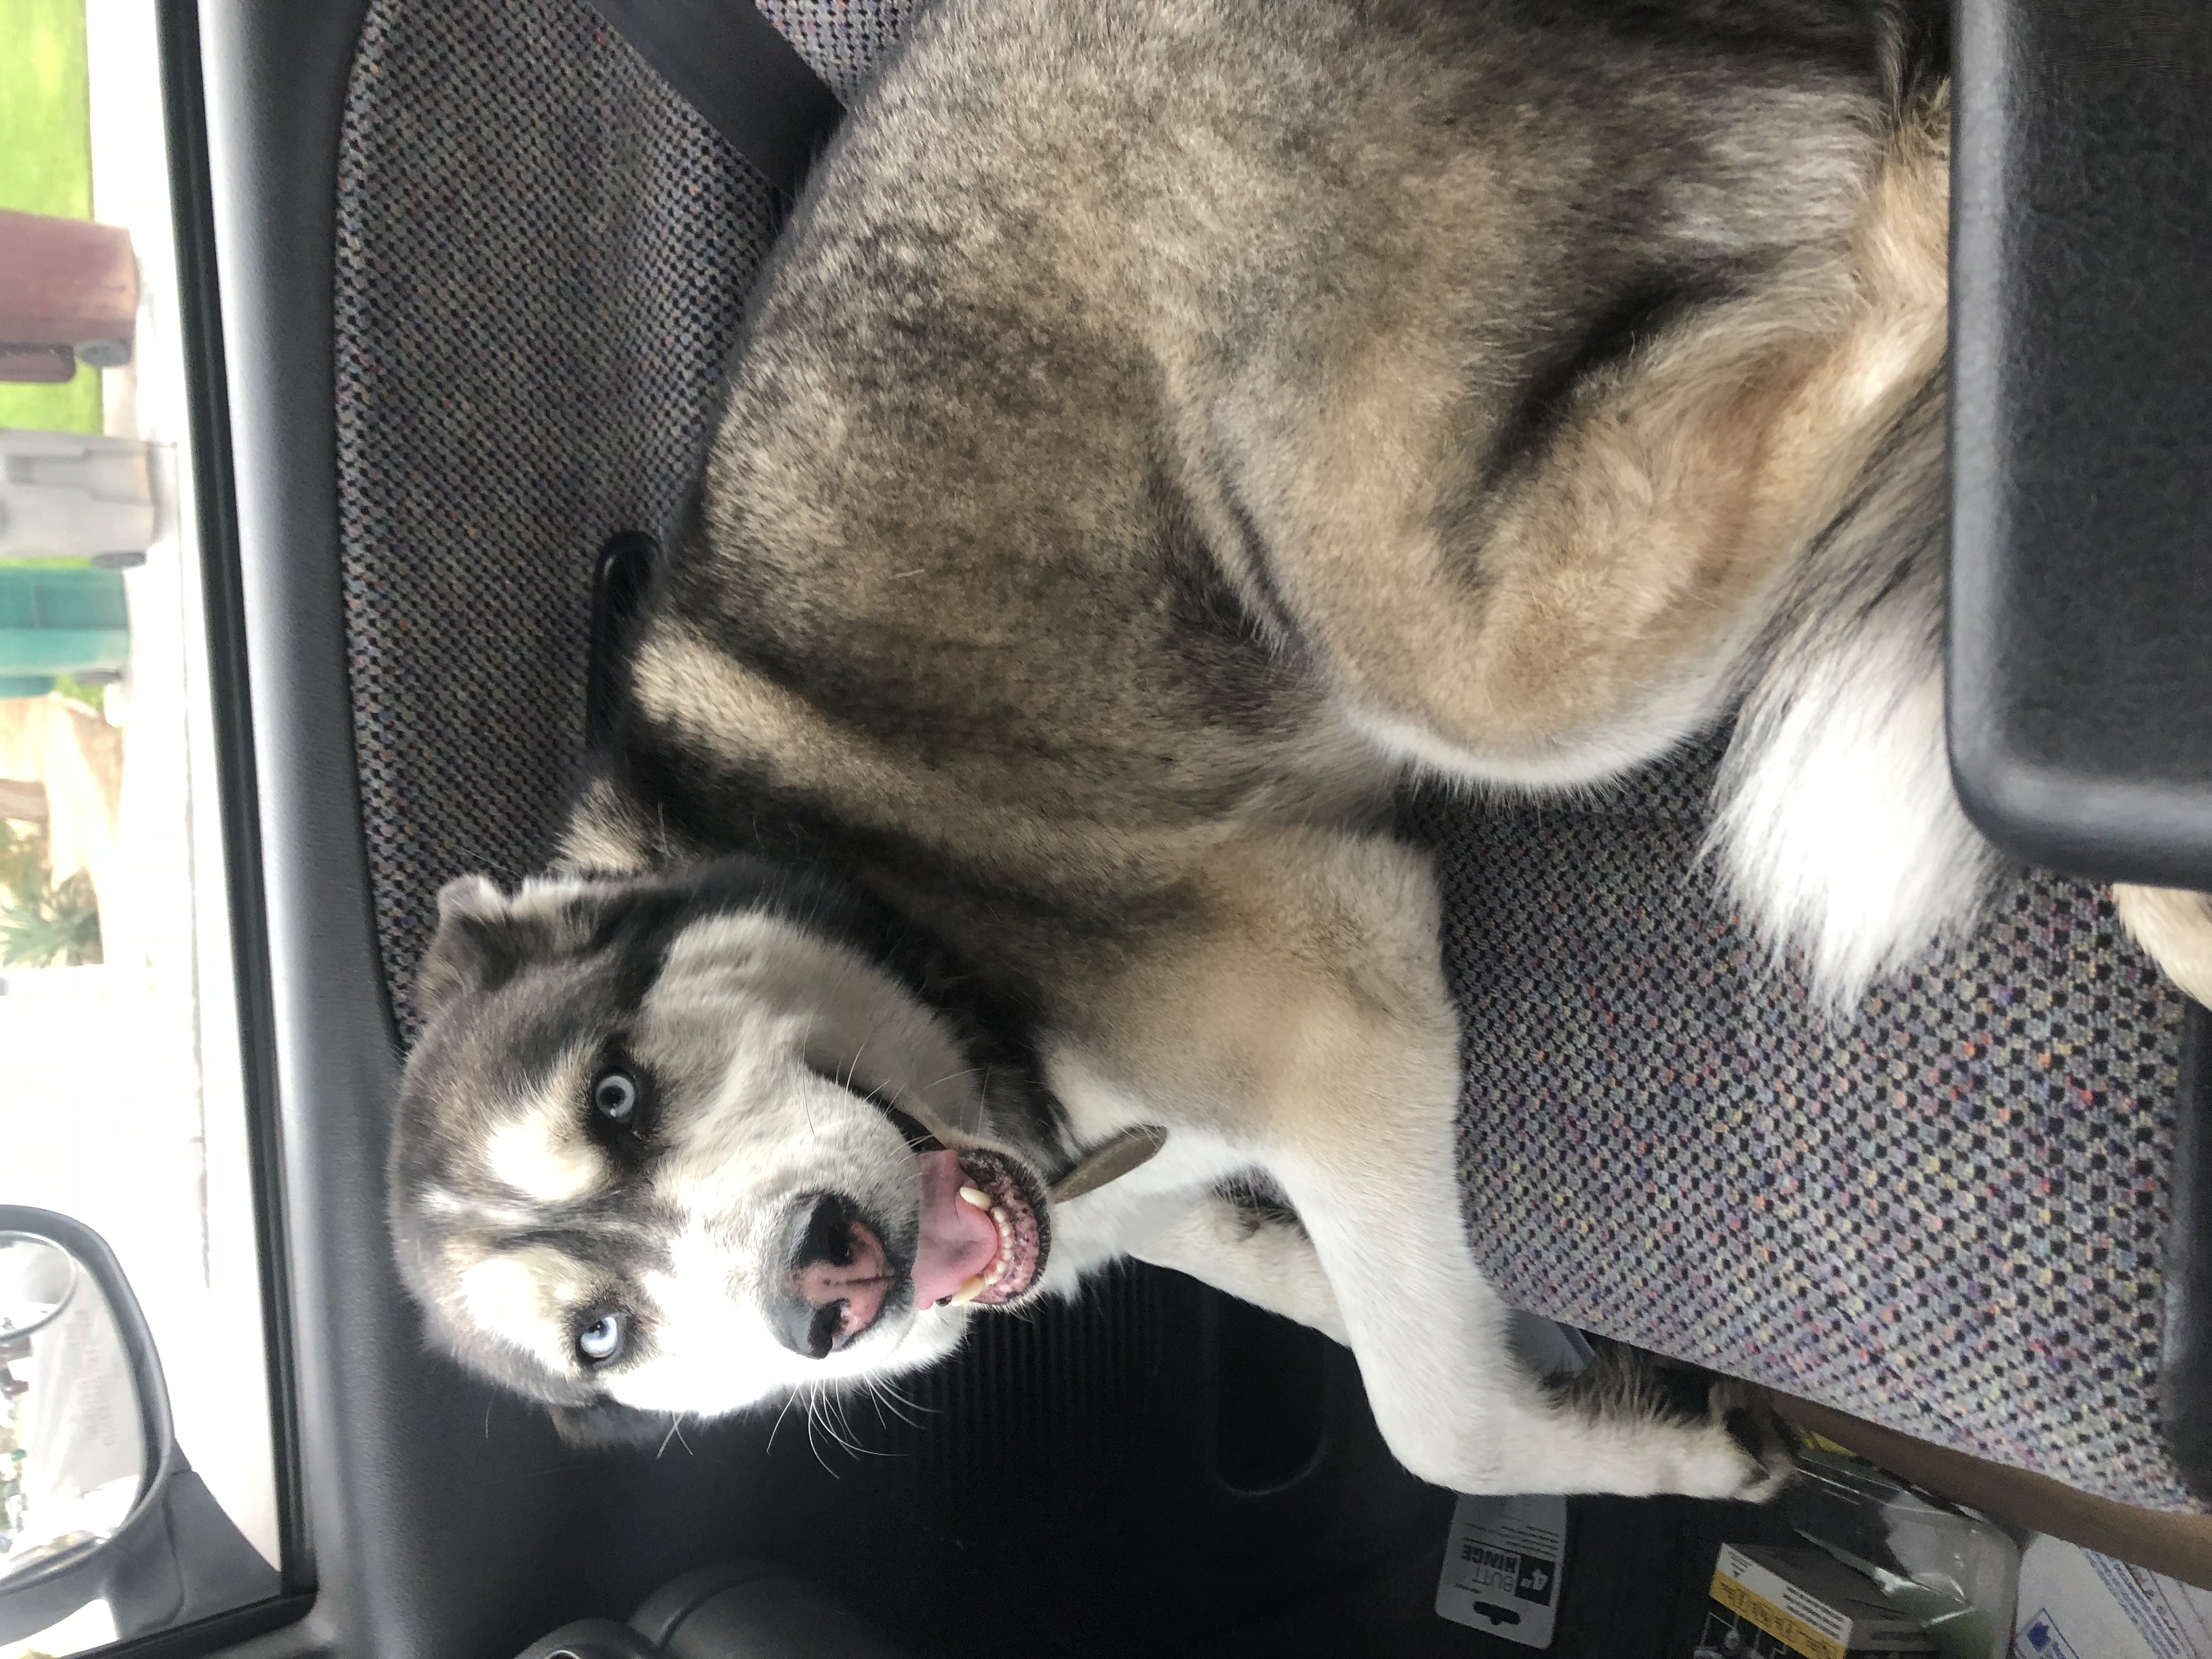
776 1427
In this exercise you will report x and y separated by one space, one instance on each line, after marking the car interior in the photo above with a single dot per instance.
455 280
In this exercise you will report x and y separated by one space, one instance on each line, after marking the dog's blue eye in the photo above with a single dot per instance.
599 1343
615 1096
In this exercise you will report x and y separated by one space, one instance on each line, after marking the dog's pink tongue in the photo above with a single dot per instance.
958 1240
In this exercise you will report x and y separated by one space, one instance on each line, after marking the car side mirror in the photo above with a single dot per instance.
97 1500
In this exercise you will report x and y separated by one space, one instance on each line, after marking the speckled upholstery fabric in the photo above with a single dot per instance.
1946 1214
843 40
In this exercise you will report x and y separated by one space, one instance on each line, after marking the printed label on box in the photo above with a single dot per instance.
2077 1604
1800 1604
1502 1566
2043 1639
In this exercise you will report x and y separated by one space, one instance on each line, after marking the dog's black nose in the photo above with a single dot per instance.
836 1278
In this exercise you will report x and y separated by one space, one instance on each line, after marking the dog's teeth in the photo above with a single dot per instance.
981 1201
968 1292
998 1272
998 1214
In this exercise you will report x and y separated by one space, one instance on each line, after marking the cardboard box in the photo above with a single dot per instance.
1770 1603
2077 1604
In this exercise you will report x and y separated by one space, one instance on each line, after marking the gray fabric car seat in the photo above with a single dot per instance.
543 254
1950 1214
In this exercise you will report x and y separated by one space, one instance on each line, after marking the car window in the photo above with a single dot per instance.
121 1101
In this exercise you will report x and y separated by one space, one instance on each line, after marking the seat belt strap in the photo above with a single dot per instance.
748 83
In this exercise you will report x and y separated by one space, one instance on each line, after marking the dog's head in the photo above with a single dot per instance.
681 1144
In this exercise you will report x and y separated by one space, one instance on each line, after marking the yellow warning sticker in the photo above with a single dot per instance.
1800 1637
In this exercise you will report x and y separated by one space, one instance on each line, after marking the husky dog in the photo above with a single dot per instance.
1162 429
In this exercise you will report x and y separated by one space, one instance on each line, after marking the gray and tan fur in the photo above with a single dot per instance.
1163 427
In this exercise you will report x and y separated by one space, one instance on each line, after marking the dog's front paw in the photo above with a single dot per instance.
1753 1452
1680 1428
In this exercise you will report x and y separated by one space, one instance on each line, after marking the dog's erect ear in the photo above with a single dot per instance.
603 1425
470 898
469 952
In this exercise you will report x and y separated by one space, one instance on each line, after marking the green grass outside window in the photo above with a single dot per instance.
46 166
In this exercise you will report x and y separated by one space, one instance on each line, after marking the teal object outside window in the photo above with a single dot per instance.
60 621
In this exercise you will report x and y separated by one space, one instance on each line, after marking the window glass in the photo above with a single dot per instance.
121 1096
